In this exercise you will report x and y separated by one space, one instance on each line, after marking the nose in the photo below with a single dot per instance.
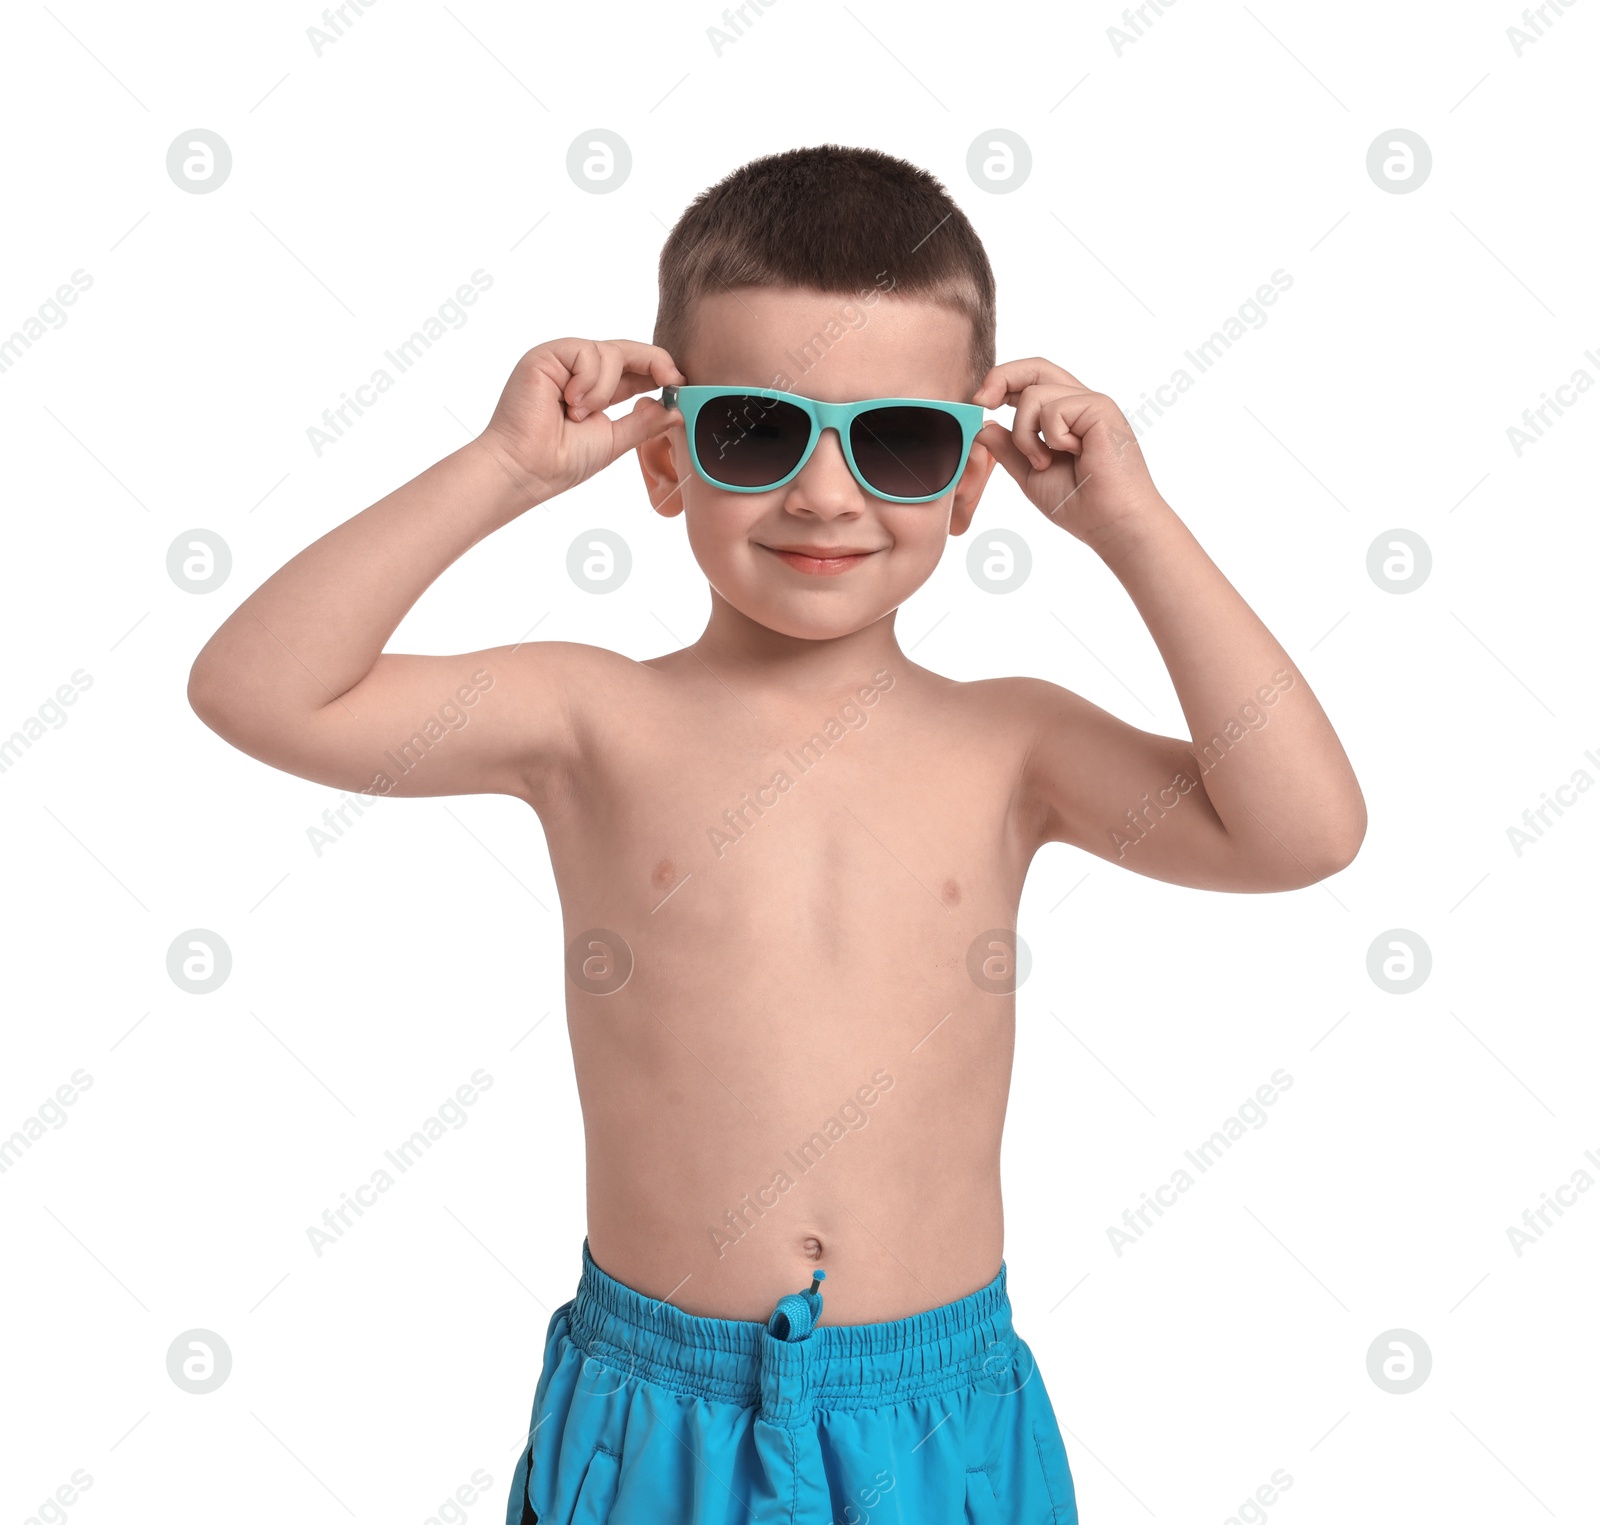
825 487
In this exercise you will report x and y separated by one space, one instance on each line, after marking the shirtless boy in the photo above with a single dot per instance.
789 858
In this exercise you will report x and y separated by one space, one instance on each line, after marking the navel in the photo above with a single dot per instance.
811 1247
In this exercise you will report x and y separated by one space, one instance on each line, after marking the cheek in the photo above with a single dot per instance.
919 532
719 523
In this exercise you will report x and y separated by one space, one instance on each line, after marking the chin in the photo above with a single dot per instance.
820 623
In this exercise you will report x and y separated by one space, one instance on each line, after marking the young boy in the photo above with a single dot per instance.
789 858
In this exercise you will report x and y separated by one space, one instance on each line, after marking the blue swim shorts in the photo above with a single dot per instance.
646 1415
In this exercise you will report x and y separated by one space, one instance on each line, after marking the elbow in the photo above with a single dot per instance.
202 692
1337 848
212 693
1296 861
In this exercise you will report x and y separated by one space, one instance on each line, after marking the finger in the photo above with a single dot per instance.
1063 419
627 368
1056 427
997 441
650 361
582 360
1024 427
647 419
1039 413
1005 383
596 394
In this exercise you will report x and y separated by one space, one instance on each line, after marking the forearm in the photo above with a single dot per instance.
317 625
1263 750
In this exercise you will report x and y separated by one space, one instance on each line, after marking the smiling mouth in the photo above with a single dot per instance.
821 560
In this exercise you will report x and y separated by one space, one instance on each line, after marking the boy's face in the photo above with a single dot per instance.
897 347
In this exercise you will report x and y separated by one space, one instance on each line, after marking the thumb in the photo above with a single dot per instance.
645 420
998 442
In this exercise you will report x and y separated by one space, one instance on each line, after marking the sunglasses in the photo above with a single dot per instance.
905 449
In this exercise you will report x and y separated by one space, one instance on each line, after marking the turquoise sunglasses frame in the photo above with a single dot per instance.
837 416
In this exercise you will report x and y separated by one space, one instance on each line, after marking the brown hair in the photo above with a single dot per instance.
831 219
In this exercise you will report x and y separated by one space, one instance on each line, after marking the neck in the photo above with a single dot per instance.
737 648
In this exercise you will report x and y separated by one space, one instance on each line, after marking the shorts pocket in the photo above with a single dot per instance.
982 1506
1052 1453
598 1490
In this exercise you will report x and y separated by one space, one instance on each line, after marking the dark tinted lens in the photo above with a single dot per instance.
747 441
907 452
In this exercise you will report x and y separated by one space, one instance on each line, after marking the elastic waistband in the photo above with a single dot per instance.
836 1366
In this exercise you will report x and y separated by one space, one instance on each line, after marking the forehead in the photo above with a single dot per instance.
830 346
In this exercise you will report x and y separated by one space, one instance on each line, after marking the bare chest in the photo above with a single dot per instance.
891 823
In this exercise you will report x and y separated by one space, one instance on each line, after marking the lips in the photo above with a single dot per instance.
820 560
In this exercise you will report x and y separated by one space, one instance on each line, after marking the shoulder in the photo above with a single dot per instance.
1018 706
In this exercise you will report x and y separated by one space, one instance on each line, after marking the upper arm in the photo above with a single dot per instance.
1131 797
498 721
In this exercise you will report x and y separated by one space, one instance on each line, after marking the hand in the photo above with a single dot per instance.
549 430
1069 449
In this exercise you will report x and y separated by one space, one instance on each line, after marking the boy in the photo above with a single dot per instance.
789 858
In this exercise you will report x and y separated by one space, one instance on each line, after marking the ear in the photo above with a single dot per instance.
969 488
664 461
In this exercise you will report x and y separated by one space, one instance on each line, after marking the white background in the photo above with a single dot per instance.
370 981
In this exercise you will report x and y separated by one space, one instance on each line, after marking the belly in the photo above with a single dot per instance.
791 1049
729 1158
773 1089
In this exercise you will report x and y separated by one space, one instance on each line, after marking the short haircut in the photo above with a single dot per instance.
832 219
